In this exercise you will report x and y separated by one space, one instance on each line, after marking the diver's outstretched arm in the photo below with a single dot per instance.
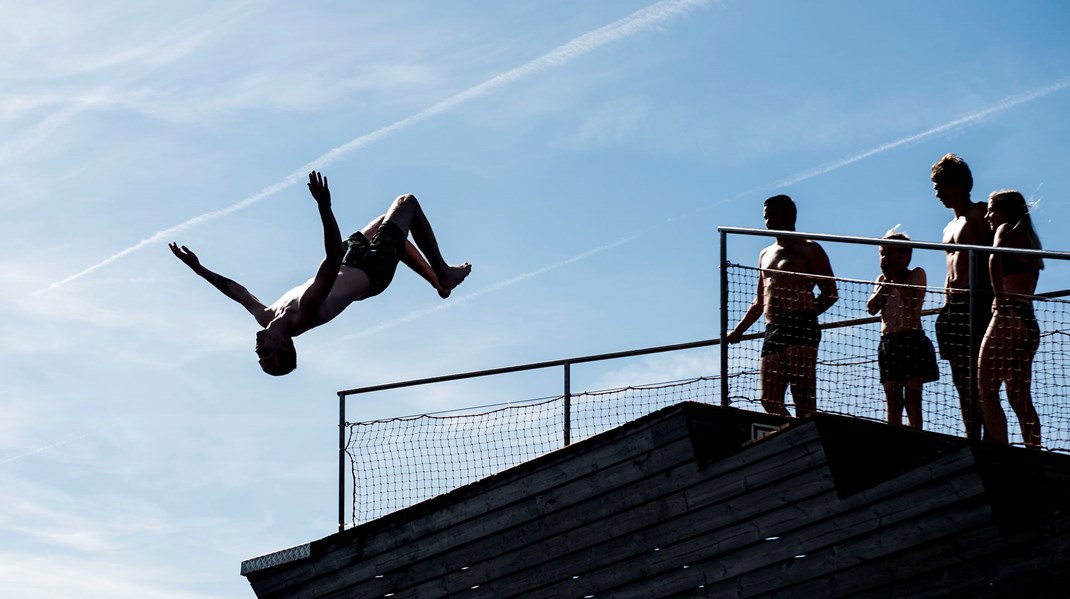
227 286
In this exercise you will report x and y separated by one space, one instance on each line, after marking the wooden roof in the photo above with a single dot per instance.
689 502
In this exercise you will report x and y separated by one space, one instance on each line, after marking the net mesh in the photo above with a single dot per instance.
848 377
398 462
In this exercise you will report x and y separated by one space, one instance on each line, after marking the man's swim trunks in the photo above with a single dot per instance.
904 355
794 328
953 324
1029 319
377 258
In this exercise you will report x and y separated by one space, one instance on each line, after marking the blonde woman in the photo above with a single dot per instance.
1013 335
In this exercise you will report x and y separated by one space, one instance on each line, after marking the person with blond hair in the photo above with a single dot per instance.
1013 336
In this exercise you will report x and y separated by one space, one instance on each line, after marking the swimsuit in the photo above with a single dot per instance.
1013 265
794 328
1025 312
953 324
904 355
377 258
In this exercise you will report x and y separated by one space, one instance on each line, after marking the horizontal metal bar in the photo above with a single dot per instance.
609 356
929 245
532 366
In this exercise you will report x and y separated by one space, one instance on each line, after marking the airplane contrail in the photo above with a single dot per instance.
803 176
969 119
966 120
30 452
638 22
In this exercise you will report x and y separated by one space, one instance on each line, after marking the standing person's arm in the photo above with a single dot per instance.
820 265
914 294
754 311
995 264
879 297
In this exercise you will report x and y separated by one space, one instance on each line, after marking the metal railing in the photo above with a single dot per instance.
974 252
566 363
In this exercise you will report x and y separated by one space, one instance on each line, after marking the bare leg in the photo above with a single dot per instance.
372 227
912 397
773 386
1019 395
990 367
411 257
407 214
802 365
416 261
971 415
893 395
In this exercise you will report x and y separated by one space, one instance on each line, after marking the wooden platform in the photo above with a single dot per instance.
688 501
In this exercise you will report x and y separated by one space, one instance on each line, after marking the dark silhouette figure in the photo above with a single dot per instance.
785 295
360 267
959 337
1013 336
905 356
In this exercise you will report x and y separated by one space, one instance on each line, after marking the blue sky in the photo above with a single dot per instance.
579 155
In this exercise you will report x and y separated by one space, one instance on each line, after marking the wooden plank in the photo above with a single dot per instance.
861 562
985 553
546 524
483 542
867 528
675 535
598 555
599 522
984 560
408 561
911 552
742 537
405 527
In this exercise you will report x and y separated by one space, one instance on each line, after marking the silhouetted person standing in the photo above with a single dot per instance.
959 336
789 270
1013 336
905 356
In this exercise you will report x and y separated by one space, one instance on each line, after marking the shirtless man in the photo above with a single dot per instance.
959 342
353 270
785 295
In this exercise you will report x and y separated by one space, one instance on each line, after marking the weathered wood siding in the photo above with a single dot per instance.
684 503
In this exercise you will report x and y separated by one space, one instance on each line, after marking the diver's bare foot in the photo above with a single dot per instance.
453 277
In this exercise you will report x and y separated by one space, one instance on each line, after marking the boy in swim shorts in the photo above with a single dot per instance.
905 356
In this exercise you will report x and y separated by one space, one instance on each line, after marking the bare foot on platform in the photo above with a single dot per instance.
453 277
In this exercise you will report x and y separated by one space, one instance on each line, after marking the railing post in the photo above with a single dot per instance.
973 429
341 462
723 349
568 404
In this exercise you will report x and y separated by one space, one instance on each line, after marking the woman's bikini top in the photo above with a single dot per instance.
1013 265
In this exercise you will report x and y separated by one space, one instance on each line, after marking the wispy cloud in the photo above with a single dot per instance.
643 20
139 61
945 128
803 176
